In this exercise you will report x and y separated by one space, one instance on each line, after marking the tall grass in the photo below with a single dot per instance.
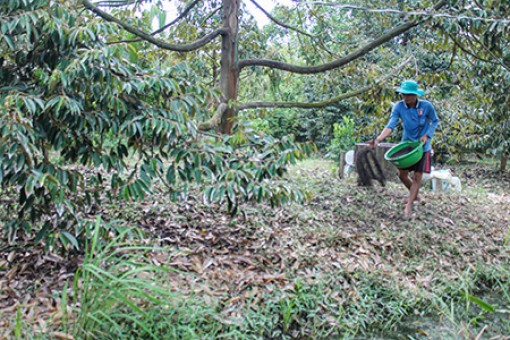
479 305
123 295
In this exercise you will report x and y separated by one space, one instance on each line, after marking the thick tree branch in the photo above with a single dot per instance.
334 64
339 62
215 120
256 105
147 37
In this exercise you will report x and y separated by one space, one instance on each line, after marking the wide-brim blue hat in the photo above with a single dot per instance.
410 87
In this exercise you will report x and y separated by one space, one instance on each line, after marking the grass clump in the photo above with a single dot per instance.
121 294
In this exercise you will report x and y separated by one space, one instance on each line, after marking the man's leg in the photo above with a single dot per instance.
404 177
413 192
408 182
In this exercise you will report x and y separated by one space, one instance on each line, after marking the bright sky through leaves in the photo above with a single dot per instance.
262 19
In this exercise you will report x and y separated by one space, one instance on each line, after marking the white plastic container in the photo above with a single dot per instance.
349 163
442 180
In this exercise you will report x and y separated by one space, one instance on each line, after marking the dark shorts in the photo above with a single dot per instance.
423 165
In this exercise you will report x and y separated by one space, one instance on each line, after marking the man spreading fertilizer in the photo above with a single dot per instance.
419 121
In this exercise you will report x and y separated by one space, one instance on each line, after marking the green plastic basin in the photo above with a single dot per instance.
405 154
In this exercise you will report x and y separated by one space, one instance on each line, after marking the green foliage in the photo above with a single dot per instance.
475 73
249 167
76 112
343 137
285 122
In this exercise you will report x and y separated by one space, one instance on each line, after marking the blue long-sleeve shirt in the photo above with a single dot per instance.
417 121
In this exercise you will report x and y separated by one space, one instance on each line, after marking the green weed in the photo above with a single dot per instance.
122 295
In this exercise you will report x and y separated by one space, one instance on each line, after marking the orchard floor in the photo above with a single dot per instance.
347 264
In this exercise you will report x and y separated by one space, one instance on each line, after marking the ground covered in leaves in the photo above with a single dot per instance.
346 264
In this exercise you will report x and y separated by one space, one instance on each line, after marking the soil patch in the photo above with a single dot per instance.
402 152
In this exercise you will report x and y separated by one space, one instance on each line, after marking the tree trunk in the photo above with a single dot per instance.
341 165
389 170
229 74
504 159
